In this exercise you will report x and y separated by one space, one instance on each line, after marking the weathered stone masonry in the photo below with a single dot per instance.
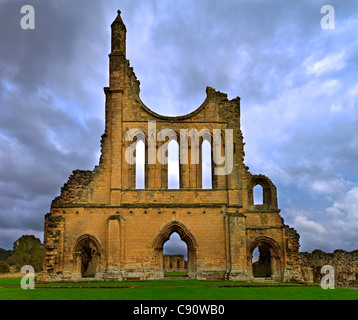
102 227
345 266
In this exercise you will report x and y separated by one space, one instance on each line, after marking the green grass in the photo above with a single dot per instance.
175 274
169 290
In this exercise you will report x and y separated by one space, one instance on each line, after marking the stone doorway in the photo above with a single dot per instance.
261 261
265 258
175 256
185 235
87 255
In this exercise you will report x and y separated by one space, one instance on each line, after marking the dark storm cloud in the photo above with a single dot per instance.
50 119
44 54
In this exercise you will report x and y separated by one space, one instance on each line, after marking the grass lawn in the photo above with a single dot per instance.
175 274
169 290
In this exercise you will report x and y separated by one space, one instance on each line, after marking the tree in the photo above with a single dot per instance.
4 254
4 267
28 250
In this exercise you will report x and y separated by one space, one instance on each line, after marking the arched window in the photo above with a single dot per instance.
258 195
206 170
173 165
140 165
262 192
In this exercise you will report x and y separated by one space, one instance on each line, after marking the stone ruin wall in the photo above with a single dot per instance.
261 224
345 266
304 264
172 263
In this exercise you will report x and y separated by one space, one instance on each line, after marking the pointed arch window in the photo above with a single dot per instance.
258 195
140 165
173 165
206 165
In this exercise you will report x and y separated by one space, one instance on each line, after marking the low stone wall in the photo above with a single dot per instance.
174 263
345 266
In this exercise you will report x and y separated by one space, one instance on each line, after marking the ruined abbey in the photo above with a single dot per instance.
105 226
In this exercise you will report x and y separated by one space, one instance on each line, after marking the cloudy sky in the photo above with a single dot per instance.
297 81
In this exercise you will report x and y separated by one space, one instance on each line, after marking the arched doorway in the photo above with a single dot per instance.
186 236
87 253
261 261
265 256
175 256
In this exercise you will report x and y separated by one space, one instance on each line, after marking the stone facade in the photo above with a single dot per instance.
102 227
345 266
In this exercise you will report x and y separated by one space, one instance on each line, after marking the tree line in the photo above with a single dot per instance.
27 250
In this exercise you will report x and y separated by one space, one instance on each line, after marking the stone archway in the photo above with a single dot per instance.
271 255
185 235
87 252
